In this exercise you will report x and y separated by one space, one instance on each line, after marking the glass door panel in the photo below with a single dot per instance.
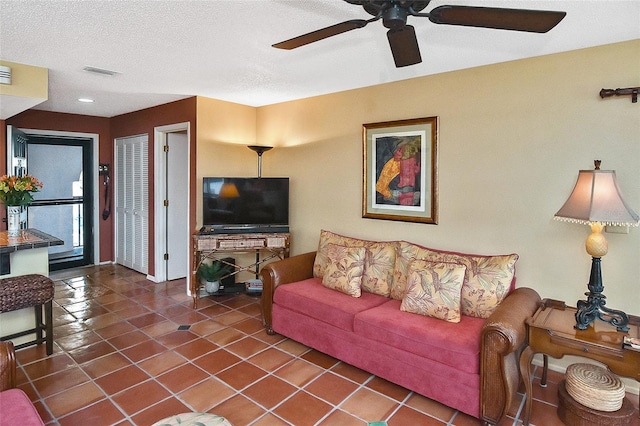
71 213
63 207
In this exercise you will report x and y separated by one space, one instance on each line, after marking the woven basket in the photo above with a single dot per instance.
595 387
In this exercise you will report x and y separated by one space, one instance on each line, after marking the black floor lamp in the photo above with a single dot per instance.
260 150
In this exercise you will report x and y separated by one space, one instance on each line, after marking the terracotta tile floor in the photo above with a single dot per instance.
120 359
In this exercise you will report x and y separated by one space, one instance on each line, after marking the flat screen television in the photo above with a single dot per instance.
245 204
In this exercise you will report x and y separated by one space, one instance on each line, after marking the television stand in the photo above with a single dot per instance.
266 246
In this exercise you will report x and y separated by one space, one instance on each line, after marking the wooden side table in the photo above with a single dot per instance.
551 333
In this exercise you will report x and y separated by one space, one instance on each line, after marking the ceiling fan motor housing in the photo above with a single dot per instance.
394 17
394 12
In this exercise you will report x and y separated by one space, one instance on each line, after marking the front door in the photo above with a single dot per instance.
64 206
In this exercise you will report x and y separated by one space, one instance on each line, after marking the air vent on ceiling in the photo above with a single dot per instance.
99 71
5 75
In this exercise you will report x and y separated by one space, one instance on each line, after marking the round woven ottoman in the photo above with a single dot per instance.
595 387
573 413
193 419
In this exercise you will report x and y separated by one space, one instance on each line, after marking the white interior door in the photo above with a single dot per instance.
177 247
171 182
131 191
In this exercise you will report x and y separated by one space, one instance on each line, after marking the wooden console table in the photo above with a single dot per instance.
266 246
551 333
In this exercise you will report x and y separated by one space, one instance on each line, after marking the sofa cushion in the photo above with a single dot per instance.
310 297
488 279
433 289
345 268
380 260
453 344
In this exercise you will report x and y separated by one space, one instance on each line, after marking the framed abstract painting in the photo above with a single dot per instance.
400 170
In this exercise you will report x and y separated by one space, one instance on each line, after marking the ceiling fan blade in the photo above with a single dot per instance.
321 34
404 46
536 21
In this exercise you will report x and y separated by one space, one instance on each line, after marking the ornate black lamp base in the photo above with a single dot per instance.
594 307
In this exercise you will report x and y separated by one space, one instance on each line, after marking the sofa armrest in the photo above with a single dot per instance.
504 335
289 270
7 366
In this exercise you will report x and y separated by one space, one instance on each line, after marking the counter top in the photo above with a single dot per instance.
28 239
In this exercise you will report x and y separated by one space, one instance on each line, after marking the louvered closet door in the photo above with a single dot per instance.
132 203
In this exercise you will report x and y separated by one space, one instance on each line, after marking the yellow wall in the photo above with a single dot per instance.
29 87
26 81
224 130
512 138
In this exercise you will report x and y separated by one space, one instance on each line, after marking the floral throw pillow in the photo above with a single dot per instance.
322 256
488 279
380 260
379 264
433 289
345 269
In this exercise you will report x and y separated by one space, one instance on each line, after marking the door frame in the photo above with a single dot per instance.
96 180
160 188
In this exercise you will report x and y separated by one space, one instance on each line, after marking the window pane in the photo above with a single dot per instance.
59 168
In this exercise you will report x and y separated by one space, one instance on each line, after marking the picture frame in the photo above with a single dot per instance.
400 170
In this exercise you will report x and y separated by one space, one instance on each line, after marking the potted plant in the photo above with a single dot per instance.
15 192
211 272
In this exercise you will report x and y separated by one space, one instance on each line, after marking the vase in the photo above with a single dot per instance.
13 220
212 286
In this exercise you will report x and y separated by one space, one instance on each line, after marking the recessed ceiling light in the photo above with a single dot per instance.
85 100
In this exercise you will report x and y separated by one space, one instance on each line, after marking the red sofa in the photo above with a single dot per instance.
15 406
470 365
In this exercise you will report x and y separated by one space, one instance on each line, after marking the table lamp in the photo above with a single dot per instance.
596 200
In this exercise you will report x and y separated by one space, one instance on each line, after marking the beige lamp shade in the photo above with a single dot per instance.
597 198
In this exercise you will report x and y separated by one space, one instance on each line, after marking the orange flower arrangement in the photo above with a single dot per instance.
16 191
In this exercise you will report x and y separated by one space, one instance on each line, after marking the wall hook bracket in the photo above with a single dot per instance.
633 91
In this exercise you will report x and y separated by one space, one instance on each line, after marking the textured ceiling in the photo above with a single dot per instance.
168 50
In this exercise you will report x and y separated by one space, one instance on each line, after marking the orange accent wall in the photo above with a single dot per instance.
45 120
144 122
108 129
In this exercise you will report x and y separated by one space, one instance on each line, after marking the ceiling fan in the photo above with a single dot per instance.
402 37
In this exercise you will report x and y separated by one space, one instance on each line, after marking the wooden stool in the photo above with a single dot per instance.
574 414
25 291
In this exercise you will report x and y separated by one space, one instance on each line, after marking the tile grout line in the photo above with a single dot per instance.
131 287
107 397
